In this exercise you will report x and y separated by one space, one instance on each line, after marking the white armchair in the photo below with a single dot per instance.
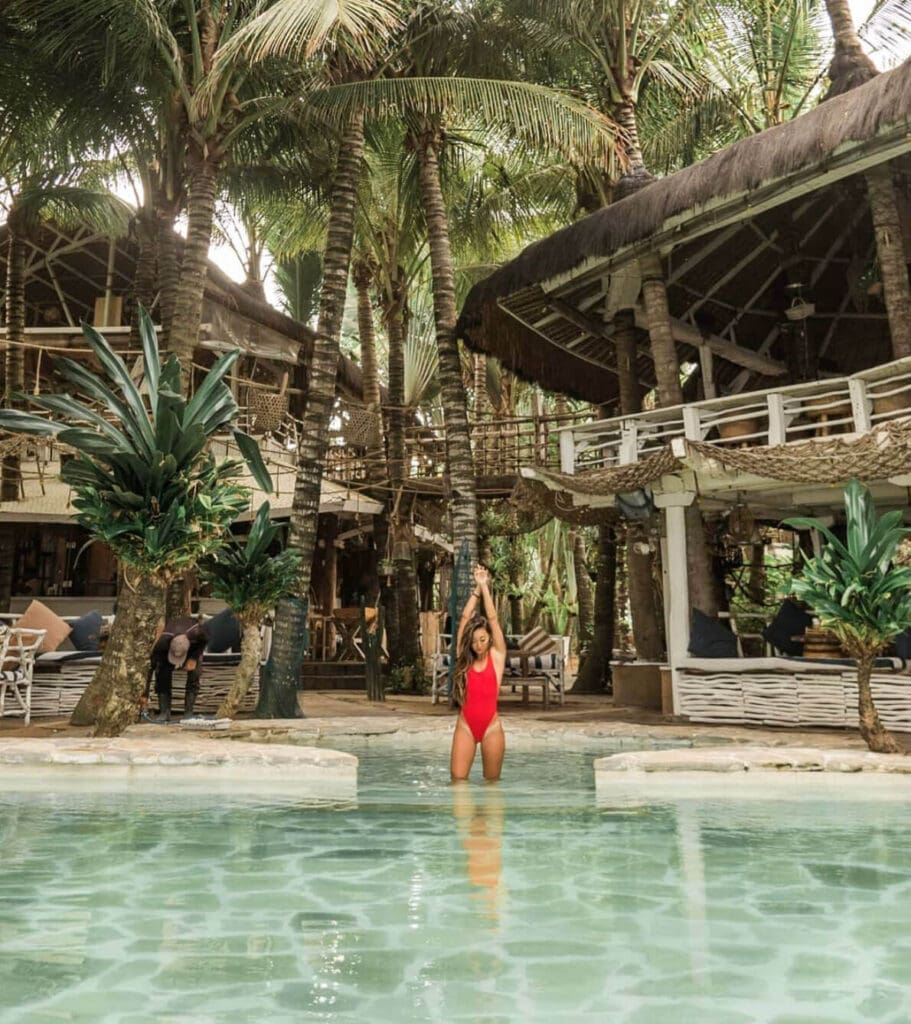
18 650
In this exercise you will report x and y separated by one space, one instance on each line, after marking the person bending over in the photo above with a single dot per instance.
180 645
480 659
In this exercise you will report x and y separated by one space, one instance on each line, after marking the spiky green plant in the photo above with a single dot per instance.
859 593
147 484
250 581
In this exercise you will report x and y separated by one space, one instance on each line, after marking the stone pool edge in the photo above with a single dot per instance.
756 773
187 762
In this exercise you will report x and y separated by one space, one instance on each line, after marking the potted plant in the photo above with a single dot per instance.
860 595
250 581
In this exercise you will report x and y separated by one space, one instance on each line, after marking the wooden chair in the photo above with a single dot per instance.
18 650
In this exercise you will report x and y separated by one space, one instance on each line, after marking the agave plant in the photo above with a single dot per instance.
250 581
145 483
860 595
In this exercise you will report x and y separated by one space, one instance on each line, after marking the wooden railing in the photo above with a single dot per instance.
838 406
500 446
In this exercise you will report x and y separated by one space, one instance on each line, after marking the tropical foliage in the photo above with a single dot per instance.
859 593
146 483
250 577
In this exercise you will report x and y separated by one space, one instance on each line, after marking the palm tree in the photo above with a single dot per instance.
851 67
147 485
250 578
860 595
212 68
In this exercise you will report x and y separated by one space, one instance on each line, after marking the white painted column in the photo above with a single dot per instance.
678 597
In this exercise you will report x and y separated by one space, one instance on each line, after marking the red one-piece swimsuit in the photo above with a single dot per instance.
481 699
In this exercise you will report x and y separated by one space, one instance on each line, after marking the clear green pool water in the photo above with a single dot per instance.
522 902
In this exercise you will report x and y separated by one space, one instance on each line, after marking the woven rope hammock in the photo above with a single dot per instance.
616 479
534 504
884 452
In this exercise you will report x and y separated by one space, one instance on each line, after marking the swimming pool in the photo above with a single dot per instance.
523 901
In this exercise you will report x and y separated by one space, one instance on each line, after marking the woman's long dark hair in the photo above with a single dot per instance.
465 657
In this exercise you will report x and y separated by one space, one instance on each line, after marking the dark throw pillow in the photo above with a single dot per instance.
790 621
86 635
709 638
903 644
224 632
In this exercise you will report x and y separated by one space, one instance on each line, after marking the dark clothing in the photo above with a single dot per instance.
197 636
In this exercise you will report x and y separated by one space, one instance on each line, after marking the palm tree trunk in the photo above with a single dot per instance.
113 698
871 728
191 286
278 694
890 252
168 275
637 176
850 66
363 278
251 646
647 631
584 591
516 618
703 594
594 671
648 636
661 338
625 335
458 440
145 271
14 363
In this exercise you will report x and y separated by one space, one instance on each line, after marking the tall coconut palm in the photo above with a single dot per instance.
213 63
860 595
147 485
851 67
545 116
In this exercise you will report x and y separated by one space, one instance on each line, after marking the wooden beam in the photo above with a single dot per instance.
714 243
686 334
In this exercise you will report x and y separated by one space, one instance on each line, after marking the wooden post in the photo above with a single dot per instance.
567 452
778 426
677 595
860 405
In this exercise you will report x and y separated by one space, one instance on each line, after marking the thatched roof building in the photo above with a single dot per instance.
775 217
68 271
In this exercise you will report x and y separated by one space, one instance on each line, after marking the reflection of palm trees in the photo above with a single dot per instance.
481 832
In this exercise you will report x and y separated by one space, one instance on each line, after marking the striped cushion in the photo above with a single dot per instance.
536 642
12 675
516 664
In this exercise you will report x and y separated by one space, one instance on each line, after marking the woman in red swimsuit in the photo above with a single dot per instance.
480 659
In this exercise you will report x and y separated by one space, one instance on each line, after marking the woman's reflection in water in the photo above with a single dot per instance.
478 812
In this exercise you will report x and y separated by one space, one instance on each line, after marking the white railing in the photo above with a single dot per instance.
837 406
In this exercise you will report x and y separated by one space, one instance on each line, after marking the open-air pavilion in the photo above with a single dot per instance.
787 336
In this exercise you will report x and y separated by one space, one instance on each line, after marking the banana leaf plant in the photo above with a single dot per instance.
250 581
860 594
145 483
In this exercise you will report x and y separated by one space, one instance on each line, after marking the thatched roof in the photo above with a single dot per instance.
783 183
79 263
